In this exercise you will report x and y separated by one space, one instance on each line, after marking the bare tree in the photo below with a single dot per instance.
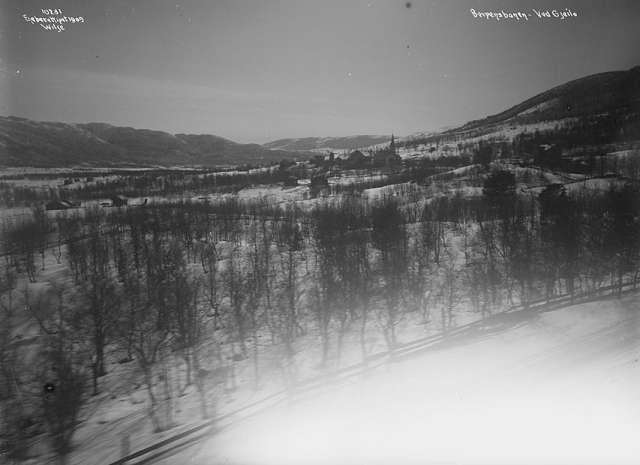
623 230
450 294
390 238
101 298
14 411
65 353
22 242
188 321
63 394
325 294
237 285
8 283
150 337
209 259
360 285
147 327
286 317
420 275
253 304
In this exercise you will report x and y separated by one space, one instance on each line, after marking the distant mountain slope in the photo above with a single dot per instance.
225 148
582 97
25 142
604 108
319 144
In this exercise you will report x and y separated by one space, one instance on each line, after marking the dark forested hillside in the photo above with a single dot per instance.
48 144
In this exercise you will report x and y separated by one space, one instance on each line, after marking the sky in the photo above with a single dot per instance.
260 70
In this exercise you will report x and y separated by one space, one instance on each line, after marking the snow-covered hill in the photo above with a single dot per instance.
605 104
555 388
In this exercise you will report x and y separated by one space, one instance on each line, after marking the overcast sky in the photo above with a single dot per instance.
260 70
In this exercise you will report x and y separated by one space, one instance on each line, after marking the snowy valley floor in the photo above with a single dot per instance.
561 387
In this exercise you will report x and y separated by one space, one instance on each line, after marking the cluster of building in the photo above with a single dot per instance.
385 156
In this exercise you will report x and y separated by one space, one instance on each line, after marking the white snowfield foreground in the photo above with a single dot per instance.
559 388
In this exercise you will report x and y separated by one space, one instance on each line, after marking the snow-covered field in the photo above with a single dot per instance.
561 387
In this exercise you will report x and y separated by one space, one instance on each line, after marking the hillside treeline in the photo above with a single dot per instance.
142 184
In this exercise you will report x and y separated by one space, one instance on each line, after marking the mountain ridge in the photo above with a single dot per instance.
25 142
607 104
323 144
598 113
597 92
